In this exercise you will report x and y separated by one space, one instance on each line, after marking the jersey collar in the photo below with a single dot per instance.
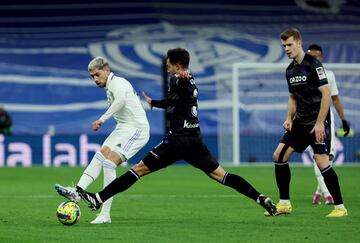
109 79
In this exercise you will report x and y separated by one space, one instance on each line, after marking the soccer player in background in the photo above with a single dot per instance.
182 142
307 122
317 52
129 136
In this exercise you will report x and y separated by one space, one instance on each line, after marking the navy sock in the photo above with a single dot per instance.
120 184
283 177
332 183
240 185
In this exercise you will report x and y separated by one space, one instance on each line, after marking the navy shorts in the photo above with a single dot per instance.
174 147
299 138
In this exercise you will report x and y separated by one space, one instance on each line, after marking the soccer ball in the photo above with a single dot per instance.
68 213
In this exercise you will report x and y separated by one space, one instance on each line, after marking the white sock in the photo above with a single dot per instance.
340 206
109 168
284 201
321 188
92 171
98 197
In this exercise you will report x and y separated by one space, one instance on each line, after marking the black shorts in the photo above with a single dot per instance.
299 138
174 147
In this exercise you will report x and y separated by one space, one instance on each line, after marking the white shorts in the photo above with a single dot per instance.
127 141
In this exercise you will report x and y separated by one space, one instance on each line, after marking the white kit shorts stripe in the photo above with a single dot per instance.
127 141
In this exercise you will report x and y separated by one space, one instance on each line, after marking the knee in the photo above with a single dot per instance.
218 174
276 155
141 169
105 151
322 160
281 154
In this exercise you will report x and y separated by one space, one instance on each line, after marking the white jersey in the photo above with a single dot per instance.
334 91
124 104
332 82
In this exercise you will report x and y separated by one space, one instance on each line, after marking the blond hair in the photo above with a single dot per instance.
98 63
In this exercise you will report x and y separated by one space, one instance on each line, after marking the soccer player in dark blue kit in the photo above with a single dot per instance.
182 142
307 122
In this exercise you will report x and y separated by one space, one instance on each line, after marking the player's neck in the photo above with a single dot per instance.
300 57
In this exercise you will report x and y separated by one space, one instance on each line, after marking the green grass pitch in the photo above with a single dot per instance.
177 204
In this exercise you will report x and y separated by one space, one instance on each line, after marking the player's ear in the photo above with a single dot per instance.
178 66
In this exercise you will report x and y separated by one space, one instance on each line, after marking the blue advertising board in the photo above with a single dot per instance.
77 150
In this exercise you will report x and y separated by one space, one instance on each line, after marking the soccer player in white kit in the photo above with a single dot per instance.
129 136
316 51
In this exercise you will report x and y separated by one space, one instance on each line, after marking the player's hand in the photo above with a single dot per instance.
96 125
147 99
346 127
287 125
184 75
319 130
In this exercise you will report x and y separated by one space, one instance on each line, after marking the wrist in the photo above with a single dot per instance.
320 122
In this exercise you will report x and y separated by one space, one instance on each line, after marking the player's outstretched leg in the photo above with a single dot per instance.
268 204
120 184
68 192
94 202
241 185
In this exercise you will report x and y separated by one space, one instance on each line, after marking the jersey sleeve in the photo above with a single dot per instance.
119 93
332 82
159 103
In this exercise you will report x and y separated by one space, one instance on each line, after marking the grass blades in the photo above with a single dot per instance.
177 204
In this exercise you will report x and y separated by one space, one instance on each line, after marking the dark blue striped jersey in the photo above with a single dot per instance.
181 105
304 80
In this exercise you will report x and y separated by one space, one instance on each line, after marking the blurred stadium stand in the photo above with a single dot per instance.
45 48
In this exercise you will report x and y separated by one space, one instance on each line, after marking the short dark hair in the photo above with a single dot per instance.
180 56
315 47
291 32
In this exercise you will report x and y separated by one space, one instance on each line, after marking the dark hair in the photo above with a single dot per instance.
290 32
315 47
180 56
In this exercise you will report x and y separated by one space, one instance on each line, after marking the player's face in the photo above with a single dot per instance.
315 53
100 77
292 47
172 68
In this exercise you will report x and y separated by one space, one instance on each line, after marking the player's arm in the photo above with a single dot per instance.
154 103
340 110
319 127
337 102
325 103
118 103
175 80
291 113
338 106
159 103
335 94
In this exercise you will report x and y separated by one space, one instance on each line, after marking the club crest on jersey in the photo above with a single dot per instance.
321 73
